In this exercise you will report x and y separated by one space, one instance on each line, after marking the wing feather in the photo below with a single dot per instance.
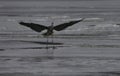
33 26
65 25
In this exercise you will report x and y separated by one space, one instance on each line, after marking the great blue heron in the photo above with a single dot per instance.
39 27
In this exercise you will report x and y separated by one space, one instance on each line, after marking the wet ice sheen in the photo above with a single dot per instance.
71 59
89 48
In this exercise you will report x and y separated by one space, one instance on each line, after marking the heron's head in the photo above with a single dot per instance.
52 24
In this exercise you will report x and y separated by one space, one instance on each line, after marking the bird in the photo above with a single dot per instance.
40 27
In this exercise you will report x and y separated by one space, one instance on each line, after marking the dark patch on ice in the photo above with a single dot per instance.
37 42
63 74
37 47
35 59
45 47
2 49
2 59
30 59
48 47
44 43
103 74
17 74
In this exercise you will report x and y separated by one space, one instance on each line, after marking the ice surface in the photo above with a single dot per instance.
75 56
89 48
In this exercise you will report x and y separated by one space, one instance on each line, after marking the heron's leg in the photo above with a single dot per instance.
50 49
52 41
50 52
47 43
47 47
47 39
52 38
53 47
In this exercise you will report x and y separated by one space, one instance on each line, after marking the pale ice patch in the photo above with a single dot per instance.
71 19
107 27
94 19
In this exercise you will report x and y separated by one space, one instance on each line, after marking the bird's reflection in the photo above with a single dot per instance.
49 46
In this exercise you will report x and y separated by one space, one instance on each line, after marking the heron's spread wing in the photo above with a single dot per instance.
33 26
65 25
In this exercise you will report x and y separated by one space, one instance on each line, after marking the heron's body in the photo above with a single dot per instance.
49 31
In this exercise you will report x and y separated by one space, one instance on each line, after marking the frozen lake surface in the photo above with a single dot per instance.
68 55
88 48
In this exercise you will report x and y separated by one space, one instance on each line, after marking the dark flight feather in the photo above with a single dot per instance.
65 25
35 27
